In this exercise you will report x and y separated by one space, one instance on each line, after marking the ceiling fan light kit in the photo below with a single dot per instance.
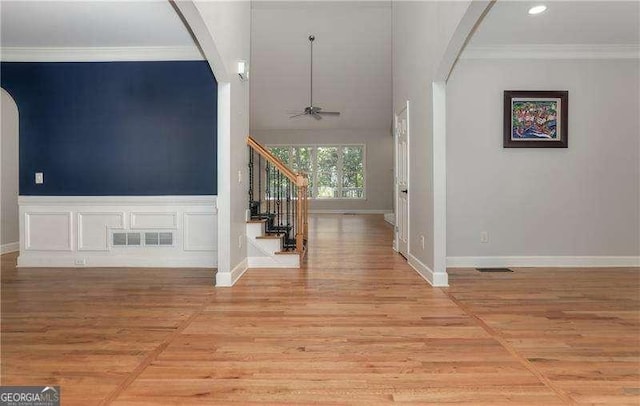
311 110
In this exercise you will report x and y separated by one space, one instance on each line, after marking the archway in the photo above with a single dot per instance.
9 147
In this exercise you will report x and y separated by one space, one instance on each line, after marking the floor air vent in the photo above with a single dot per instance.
493 270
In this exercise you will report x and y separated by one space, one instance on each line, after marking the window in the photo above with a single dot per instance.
352 172
335 171
282 153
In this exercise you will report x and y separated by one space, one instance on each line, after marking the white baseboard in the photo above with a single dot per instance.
28 260
228 279
10 247
390 218
435 279
320 211
544 261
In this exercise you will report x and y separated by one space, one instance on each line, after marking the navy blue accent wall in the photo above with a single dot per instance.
115 128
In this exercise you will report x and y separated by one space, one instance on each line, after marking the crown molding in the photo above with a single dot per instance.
100 54
552 51
315 4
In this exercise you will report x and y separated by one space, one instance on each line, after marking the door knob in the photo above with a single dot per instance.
405 191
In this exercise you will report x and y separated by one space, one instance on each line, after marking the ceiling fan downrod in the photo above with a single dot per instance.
311 110
311 39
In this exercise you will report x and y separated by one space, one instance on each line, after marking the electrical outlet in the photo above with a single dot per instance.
422 241
240 241
484 237
81 261
39 178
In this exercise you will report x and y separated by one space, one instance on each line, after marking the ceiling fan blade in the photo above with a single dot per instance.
297 115
316 116
330 113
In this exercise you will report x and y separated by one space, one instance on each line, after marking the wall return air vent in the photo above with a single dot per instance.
161 238
151 239
126 239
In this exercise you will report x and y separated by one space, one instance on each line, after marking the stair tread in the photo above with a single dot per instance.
270 237
287 253
256 221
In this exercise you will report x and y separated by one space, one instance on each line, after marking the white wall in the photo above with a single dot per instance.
580 201
352 74
229 24
9 232
379 163
351 64
421 34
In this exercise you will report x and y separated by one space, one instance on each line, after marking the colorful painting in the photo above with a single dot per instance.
535 119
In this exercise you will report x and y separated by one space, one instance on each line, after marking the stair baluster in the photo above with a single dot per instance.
279 177
294 214
288 211
252 207
259 184
268 188
285 205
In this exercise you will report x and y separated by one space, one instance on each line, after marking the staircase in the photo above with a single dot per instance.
277 224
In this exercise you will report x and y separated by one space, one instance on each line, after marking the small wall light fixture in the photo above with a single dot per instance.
243 70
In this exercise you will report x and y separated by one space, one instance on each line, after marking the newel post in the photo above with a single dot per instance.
301 211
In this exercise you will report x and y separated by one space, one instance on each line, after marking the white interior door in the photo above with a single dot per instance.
402 180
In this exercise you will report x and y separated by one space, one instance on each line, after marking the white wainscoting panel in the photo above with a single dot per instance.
199 231
93 229
151 220
39 226
75 231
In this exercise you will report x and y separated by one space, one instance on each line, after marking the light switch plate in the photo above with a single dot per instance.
39 178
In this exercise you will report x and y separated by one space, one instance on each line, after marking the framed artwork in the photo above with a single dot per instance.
536 119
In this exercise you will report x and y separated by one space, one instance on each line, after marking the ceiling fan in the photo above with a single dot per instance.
311 110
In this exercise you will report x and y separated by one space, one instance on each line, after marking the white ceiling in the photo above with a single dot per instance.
564 22
91 24
352 64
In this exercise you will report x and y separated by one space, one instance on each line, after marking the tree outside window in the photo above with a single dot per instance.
335 171
327 173
352 172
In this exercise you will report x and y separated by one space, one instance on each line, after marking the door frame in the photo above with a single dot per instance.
396 190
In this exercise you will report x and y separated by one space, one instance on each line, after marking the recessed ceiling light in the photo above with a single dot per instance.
537 9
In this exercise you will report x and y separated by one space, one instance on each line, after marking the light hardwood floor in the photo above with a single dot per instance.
356 325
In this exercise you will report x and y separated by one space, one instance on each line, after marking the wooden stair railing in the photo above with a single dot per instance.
279 196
